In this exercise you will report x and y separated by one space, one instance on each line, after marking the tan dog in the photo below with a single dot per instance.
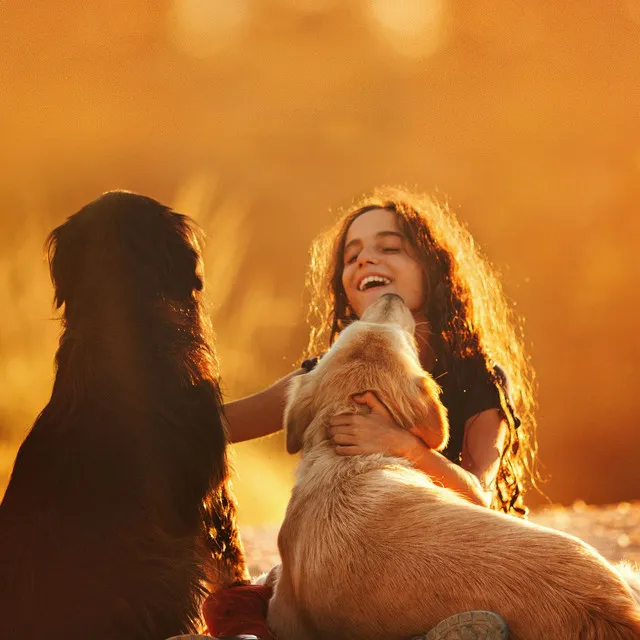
372 549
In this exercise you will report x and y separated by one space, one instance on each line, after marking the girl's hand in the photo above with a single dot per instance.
375 432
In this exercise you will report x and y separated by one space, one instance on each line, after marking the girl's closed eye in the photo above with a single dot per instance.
391 246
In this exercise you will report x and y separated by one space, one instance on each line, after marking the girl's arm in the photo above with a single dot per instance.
450 475
377 433
484 436
260 414
484 440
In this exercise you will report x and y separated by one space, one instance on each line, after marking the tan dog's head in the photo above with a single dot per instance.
377 353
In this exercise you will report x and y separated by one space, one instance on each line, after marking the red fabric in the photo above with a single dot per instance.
238 610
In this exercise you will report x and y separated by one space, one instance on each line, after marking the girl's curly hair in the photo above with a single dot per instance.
467 310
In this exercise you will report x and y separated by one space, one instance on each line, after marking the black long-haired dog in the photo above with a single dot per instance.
117 517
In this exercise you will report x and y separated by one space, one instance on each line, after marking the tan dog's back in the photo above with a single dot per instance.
386 554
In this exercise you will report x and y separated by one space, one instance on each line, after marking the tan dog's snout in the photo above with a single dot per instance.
390 309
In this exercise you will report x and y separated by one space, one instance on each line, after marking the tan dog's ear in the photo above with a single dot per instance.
297 412
430 416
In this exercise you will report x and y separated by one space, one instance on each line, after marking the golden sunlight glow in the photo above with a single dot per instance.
202 28
633 9
262 483
310 6
415 28
263 119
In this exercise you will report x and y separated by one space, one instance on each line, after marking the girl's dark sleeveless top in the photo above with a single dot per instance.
474 390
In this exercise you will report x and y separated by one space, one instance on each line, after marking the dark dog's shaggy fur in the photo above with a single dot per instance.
117 513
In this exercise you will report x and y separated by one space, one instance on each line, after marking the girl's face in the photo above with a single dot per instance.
379 259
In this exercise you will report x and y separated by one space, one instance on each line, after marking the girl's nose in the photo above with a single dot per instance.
367 256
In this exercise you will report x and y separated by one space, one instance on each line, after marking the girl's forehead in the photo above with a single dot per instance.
371 223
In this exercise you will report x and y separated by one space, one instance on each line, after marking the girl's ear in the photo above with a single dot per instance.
298 412
430 422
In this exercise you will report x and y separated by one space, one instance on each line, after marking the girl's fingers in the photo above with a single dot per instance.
369 399
343 438
347 430
348 450
342 419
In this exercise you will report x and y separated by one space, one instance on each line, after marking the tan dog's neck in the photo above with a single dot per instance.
321 464
321 468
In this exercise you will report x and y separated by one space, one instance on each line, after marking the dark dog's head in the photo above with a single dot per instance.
123 249
376 353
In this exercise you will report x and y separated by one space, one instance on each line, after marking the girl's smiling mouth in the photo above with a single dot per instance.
371 281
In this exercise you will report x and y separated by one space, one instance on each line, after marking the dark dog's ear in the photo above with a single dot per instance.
298 412
430 422
64 248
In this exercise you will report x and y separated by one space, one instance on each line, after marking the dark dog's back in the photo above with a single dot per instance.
93 534
117 509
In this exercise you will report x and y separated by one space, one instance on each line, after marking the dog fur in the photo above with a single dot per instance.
117 518
373 549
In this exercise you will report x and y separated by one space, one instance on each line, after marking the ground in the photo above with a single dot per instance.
612 529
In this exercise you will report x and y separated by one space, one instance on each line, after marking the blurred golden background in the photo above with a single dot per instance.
261 117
